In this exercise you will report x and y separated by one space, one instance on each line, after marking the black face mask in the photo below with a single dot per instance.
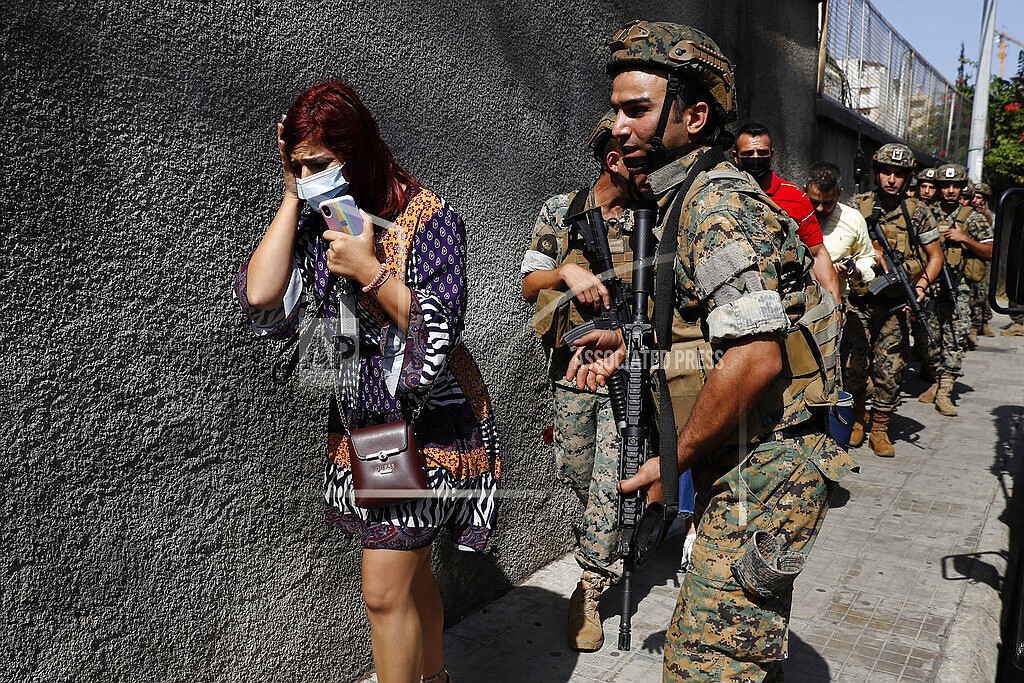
756 166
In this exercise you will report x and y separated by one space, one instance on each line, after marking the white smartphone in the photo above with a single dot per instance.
342 214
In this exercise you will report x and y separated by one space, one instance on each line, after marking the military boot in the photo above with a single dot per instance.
879 437
986 331
586 634
928 395
972 340
860 418
944 396
1014 330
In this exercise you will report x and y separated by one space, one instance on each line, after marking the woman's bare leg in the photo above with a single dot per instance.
396 630
431 610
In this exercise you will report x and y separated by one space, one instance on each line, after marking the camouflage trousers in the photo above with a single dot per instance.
855 350
981 312
875 345
720 631
587 457
949 327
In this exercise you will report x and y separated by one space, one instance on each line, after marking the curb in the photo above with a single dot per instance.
974 636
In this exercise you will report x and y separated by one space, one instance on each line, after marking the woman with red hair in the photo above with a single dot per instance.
392 300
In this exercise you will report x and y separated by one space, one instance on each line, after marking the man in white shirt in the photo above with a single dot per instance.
846 239
843 228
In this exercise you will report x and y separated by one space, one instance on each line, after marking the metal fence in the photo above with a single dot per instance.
870 69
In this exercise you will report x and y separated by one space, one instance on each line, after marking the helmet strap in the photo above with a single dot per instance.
658 148
658 151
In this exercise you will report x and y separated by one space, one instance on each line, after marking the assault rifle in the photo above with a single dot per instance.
642 526
945 276
895 276
590 225
948 288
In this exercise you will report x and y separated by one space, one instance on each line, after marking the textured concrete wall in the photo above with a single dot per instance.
160 494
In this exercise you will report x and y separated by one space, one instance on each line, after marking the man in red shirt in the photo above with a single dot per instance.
753 154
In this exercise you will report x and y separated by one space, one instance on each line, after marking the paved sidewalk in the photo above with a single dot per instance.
882 595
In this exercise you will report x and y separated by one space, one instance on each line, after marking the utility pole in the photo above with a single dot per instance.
979 113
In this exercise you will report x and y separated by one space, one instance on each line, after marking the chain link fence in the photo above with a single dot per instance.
871 70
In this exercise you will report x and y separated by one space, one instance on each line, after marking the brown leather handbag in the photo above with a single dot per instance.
387 464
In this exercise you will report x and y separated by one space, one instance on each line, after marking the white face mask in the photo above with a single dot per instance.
319 187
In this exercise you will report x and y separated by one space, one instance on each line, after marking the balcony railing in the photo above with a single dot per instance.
872 70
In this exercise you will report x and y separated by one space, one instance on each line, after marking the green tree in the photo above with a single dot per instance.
1004 160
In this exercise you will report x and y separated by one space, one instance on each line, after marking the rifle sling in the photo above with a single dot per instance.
945 277
578 202
664 299
576 205
915 239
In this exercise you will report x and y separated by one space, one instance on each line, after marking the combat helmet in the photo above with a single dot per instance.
927 175
983 189
680 50
600 135
893 154
951 173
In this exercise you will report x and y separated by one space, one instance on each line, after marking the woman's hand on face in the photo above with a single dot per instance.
353 256
286 166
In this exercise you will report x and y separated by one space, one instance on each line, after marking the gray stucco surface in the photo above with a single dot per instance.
161 496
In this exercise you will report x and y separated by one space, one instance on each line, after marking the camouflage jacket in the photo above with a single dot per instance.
894 223
554 243
962 261
908 240
741 270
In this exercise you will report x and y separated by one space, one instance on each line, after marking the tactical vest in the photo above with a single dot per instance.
618 244
557 311
961 260
898 233
811 345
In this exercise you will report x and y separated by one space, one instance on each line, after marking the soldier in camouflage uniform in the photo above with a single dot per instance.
586 442
927 193
926 189
981 312
966 239
759 449
885 323
1016 326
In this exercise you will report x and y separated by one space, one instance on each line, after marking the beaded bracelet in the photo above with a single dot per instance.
379 279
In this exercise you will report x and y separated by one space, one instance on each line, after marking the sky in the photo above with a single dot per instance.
935 28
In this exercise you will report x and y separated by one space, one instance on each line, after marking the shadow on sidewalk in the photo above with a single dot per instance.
971 567
804 663
840 497
903 428
1008 466
660 570
518 640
